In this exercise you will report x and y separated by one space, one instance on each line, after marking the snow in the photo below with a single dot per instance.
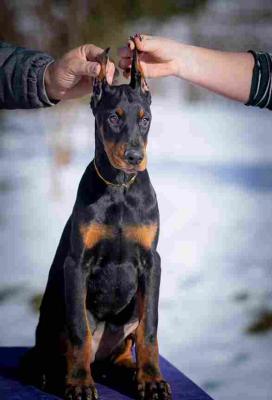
211 166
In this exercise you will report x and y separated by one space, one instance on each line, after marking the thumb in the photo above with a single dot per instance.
86 68
144 43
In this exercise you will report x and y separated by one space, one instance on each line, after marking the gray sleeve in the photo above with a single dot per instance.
22 77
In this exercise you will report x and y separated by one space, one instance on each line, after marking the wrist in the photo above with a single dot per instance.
50 89
180 61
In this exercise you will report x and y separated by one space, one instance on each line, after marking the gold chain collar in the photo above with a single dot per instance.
126 185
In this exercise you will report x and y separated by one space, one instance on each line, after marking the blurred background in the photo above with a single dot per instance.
210 161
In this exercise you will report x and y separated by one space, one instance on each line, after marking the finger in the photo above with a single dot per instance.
131 45
156 70
124 63
144 43
90 51
88 68
150 71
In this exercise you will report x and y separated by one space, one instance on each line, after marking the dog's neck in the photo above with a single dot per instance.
109 173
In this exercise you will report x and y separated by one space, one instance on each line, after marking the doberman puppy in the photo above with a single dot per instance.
103 288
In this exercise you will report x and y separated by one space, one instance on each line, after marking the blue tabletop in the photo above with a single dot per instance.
12 389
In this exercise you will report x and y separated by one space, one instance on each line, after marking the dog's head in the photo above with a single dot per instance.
123 117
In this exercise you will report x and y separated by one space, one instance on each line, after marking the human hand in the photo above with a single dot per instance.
158 56
226 73
71 76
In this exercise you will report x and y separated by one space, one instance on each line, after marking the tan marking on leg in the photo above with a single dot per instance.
78 362
147 354
94 233
125 358
79 358
144 235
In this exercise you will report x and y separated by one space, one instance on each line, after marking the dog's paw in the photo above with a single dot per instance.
154 390
81 392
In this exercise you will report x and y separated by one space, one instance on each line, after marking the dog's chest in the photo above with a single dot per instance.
115 241
111 287
121 222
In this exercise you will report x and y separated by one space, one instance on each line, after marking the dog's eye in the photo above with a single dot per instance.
114 119
145 122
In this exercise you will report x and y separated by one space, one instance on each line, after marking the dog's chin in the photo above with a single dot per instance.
128 169
131 170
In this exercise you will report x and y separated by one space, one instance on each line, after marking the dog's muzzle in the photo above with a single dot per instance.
134 156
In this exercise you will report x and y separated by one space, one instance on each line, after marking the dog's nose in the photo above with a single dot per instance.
133 156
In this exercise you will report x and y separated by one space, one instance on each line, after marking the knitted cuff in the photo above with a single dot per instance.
35 81
261 85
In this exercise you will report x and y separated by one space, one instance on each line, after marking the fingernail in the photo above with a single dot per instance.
96 68
138 36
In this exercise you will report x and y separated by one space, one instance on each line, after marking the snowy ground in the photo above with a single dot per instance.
212 169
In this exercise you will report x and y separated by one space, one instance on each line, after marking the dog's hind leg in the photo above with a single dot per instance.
124 357
119 370
39 363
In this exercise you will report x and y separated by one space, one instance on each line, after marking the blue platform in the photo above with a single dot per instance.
12 389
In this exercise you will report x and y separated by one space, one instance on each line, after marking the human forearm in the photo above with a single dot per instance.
226 73
21 77
32 79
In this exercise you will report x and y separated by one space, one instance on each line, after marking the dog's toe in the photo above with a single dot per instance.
165 391
154 391
81 392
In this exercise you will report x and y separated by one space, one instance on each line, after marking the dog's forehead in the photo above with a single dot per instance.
125 97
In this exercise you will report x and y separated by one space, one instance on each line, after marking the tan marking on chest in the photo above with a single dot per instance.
144 235
94 233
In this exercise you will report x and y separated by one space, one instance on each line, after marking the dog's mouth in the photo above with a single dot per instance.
123 165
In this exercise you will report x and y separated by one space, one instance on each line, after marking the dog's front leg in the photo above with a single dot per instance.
151 384
79 381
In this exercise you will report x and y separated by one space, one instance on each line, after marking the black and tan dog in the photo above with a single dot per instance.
103 287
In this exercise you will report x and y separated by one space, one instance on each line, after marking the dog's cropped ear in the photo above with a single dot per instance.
137 79
100 83
103 59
